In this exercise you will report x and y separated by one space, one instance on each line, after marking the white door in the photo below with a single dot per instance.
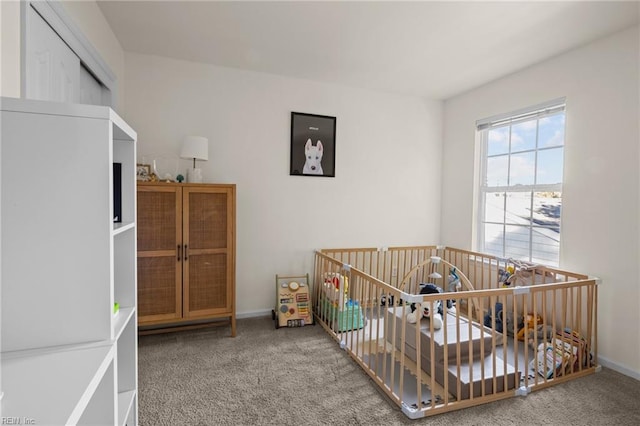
53 70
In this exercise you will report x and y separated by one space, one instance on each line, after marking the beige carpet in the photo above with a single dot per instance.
300 376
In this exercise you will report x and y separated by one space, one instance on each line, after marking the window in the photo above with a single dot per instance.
520 196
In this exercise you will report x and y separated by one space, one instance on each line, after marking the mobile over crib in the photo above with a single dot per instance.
440 329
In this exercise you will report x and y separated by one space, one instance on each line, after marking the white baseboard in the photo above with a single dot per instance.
619 368
254 314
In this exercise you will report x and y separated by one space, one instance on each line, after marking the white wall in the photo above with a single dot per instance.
602 184
387 185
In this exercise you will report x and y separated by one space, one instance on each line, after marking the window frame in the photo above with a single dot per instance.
483 127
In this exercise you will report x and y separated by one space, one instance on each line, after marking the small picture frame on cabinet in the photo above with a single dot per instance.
143 172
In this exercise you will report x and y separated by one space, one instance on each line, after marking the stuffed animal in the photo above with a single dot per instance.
425 308
454 280
504 320
532 321
512 323
424 311
383 300
541 334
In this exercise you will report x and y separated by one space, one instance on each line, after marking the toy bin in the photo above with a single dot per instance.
293 301
350 317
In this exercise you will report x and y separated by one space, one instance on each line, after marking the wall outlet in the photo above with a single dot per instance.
394 272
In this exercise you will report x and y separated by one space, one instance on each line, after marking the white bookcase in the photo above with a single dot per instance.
66 357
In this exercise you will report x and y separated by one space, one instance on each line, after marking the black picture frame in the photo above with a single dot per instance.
306 131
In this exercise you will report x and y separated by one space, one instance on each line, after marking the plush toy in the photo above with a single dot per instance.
504 320
425 308
454 285
383 300
532 321
454 280
541 334
488 317
424 311
512 323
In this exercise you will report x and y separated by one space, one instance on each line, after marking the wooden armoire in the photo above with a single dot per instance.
186 255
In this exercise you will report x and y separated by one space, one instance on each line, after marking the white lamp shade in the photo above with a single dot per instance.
195 147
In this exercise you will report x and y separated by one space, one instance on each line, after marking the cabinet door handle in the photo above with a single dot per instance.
186 250
179 252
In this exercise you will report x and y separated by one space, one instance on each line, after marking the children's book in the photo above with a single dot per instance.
550 359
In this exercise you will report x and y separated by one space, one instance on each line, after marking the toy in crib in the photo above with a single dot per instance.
342 312
424 310
454 285
520 273
559 352
505 275
504 320
541 334
454 280
532 321
336 288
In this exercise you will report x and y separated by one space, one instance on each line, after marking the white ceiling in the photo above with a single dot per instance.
430 49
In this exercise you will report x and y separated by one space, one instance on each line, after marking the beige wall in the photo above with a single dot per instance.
387 185
601 184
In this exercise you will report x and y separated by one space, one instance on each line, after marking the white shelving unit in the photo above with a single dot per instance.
66 357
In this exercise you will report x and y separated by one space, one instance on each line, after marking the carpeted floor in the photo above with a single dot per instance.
300 376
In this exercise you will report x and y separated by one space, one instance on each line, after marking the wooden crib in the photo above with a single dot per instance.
507 329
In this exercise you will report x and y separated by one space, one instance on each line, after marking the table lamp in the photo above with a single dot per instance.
196 148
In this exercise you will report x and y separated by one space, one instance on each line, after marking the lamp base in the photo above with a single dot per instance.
194 175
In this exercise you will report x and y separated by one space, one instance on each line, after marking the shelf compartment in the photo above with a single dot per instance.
121 227
126 355
124 268
123 153
127 349
101 408
121 320
55 386
125 406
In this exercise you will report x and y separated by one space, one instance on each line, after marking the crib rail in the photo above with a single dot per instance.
481 353
391 264
484 270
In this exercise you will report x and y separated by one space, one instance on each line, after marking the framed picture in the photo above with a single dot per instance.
143 172
313 145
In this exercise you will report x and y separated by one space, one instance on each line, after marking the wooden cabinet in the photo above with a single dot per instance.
69 357
186 254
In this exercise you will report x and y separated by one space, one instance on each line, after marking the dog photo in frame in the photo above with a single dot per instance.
313 145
